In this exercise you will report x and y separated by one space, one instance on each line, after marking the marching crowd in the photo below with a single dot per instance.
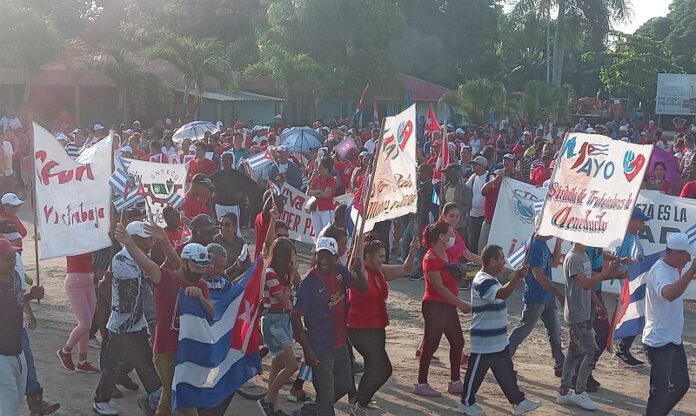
127 293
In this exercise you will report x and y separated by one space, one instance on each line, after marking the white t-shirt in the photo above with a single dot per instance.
6 158
664 320
478 201
10 123
370 146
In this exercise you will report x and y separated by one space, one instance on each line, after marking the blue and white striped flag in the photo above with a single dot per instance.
519 256
175 201
120 181
216 356
691 233
124 201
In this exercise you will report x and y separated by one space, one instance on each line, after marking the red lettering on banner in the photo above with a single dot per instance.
72 217
308 227
46 172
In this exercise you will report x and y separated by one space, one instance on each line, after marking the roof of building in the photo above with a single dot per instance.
422 90
235 95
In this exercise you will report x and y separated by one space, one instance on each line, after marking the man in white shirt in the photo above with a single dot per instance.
664 323
370 143
478 201
10 122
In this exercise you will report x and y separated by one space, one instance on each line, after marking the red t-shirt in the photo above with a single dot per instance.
159 158
489 204
167 310
345 171
689 190
455 253
194 205
436 264
540 175
175 237
368 310
324 204
21 229
139 154
81 263
207 167
260 230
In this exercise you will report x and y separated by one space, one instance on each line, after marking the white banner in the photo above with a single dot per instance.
513 222
298 220
160 181
593 189
394 192
676 94
72 199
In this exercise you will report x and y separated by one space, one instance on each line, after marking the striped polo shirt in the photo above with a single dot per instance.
489 325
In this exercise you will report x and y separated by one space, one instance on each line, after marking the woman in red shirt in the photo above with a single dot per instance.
79 287
367 318
323 188
439 307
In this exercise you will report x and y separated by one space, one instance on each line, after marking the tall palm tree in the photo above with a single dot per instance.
598 14
477 99
196 59
287 70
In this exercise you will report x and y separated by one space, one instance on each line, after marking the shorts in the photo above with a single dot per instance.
277 332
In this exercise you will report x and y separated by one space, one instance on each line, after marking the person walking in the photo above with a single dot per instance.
81 293
539 297
489 342
368 318
664 324
323 188
439 307
478 201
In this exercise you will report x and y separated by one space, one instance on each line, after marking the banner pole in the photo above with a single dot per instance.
35 208
367 191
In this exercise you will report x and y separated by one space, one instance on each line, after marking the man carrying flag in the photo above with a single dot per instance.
664 324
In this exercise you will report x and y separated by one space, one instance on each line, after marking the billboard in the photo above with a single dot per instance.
676 94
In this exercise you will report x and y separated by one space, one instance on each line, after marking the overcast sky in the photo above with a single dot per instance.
644 10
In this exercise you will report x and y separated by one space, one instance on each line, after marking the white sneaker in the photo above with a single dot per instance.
565 398
473 410
525 406
104 409
584 401
94 343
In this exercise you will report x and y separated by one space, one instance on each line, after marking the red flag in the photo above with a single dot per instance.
443 158
432 124
375 114
362 97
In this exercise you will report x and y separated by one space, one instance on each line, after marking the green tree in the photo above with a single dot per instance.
540 99
290 72
682 36
478 98
600 13
634 65
196 60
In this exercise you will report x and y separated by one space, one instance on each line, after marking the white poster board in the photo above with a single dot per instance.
676 94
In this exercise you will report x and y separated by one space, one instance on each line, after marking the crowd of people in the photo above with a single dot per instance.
127 293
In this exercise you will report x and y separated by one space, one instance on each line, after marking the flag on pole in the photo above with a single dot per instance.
443 158
274 188
517 259
257 163
432 124
216 356
120 181
175 201
359 108
375 114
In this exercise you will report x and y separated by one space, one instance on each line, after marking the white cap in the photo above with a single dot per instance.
219 124
196 253
527 133
281 148
326 128
327 243
138 228
459 131
680 241
62 137
127 149
167 121
589 130
98 127
11 199
277 117
128 131
623 128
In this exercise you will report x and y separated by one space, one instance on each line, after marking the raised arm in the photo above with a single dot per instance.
159 235
509 287
673 291
394 271
151 269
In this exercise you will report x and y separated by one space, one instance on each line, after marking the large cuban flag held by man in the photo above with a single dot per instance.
215 357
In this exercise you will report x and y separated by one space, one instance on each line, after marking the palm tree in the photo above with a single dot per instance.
598 14
287 70
135 81
478 98
196 59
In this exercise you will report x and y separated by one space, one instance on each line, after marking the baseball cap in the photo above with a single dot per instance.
8 230
196 253
327 243
639 215
127 149
527 133
680 241
459 131
480 160
623 128
11 199
202 222
509 156
138 228
589 130
7 248
98 127
282 148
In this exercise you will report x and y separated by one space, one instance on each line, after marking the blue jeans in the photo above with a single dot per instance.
669 378
548 313
33 385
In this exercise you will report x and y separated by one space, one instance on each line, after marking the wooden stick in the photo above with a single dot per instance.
35 208
366 195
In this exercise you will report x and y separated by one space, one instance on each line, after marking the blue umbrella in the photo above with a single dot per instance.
301 139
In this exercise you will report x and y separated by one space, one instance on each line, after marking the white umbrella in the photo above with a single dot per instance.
194 130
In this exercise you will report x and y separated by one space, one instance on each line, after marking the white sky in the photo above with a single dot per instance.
644 10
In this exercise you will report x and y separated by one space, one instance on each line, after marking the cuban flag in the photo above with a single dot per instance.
443 159
359 108
274 188
629 316
120 181
257 163
216 356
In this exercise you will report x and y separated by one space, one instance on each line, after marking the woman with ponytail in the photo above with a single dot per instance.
439 307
